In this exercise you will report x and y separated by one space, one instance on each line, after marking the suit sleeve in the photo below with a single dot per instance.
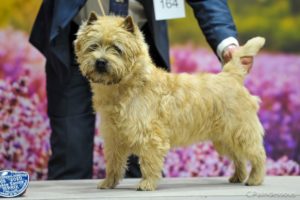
214 19
40 30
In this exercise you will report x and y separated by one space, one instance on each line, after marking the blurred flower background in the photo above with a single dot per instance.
275 77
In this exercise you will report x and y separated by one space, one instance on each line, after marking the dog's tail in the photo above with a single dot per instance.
234 66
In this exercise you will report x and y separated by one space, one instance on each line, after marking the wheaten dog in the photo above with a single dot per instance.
146 111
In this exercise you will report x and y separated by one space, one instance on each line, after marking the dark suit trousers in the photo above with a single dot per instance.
73 123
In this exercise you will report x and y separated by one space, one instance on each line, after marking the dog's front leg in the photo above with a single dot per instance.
116 159
151 162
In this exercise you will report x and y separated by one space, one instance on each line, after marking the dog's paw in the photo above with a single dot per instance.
146 185
107 184
235 179
253 182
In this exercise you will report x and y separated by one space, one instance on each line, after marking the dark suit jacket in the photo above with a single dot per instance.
51 31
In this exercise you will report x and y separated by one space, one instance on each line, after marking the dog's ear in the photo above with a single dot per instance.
128 24
93 17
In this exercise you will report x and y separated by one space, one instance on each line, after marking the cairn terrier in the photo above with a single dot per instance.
145 111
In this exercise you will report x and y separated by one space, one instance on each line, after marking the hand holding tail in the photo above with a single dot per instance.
240 56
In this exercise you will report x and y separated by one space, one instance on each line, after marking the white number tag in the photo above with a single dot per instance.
168 9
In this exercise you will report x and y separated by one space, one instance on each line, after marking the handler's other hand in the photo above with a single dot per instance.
247 61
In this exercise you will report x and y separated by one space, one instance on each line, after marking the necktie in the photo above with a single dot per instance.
118 7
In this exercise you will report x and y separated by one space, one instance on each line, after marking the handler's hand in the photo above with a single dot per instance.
247 61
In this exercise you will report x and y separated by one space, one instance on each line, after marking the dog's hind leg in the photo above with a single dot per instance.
247 143
257 157
240 173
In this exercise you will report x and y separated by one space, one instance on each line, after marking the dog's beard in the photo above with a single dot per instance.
96 79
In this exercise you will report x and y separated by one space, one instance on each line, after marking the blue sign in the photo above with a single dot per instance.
13 183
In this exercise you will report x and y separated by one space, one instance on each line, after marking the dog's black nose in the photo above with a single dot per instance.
101 65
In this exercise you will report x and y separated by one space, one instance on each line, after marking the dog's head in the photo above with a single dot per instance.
107 48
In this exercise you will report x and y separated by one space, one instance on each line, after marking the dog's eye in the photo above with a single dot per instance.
93 47
117 49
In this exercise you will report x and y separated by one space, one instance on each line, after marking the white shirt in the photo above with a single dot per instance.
135 10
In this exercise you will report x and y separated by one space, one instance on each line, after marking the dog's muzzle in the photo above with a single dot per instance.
101 66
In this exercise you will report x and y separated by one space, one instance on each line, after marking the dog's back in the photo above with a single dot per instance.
205 104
